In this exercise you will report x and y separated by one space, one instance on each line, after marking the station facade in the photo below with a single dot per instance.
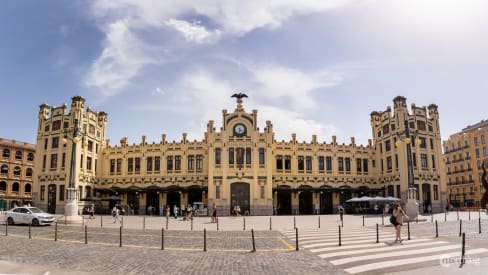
238 163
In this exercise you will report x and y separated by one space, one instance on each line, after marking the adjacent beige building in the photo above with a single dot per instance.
236 162
16 173
463 154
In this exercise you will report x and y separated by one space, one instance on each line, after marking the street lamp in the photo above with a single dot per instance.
412 207
71 206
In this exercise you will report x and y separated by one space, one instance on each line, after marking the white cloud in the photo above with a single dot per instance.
193 32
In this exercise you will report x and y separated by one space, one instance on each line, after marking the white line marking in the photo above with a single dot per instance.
361 246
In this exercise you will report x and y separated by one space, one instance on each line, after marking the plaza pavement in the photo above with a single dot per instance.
229 246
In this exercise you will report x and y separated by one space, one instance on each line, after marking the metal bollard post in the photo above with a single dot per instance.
204 240
340 236
120 237
253 243
363 220
191 224
408 229
270 228
436 230
162 238
463 261
479 225
167 224
143 222
319 221
6 228
217 224
86 234
101 221
460 226
432 217
296 232
56 231
30 224
244 223
377 234
469 215
382 220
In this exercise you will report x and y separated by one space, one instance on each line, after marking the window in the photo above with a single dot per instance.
28 172
89 164
422 142
388 163
321 163
61 192
6 153
45 144
358 165
396 162
178 163
386 129
149 164
4 169
287 162
56 125
90 146
261 156
240 155
279 162
340 162
15 187
44 162
388 146
423 160
55 142
130 165
112 166
261 189
137 165
483 140
436 192
421 125
3 186
485 152
63 160
433 162
328 163
169 163
475 141
81 161
30 157
365 165
431 144
18 155
231 155
248 155
308 161
54 161
301 164
217 191
217 156
348 164
43 191
414 160
87 191
199 162
191 163
477 153
157 164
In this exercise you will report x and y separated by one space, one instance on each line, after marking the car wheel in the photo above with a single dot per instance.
35 222
10 221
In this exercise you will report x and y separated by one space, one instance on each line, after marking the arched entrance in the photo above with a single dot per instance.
133 201
194 194
426 196
51 199
240 194
283 204
305 203
152 200
173 198
326 206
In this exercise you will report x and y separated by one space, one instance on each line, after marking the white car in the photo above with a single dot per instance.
26 215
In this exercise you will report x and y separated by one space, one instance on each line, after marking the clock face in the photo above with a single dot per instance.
239 129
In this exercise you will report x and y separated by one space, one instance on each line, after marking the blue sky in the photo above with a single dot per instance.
311 67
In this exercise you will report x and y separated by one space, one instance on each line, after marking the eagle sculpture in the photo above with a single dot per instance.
239 95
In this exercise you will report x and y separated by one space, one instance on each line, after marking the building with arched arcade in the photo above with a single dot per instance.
236 162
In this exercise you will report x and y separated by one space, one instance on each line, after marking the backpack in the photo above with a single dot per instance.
393 220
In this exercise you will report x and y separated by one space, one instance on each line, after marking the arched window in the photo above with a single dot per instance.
3 186
6 153
17 171
18 155
28 172
15 187
27 188
30 157
4 169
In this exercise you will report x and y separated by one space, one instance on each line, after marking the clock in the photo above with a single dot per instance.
239 129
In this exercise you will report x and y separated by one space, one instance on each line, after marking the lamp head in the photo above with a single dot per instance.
418 141
397 143
75 140
407 140
64 140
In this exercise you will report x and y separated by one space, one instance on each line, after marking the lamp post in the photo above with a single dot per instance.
412 206
71 205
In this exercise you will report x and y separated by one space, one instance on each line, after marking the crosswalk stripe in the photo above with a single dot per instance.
344 242
330 238
385 264
319 231
360 246
394 254
381 249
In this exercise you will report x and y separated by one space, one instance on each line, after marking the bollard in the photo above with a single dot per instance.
162 238
469 215
204 240
120 237
6 228
479 225
340 236
382 220
377 234
191 224
56 231
462 250
408 229
479 212
86 234
458 214
30 224
432 217
319 221
460 226
244 224
253 243
363 220
101 221
436 230
294 222
143 222
167 224
296 231
65 221
270 228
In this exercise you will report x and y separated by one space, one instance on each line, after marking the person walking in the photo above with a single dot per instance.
92 211
115 214
214 212
175 211
398 214
341 212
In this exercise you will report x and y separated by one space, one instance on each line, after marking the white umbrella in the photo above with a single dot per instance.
392 199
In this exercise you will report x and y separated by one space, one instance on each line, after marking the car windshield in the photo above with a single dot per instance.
35 210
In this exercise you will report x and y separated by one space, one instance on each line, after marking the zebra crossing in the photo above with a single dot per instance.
359 251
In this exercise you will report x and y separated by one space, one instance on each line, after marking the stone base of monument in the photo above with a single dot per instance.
71 213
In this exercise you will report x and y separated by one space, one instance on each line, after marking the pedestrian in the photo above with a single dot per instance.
168 212
341 212
92 211
214 213
115 214
398 214
175 211
429 209
376 208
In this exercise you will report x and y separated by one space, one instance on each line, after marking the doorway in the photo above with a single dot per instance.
283 205
239 195
51 199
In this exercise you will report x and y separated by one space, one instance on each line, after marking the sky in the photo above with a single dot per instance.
310 66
